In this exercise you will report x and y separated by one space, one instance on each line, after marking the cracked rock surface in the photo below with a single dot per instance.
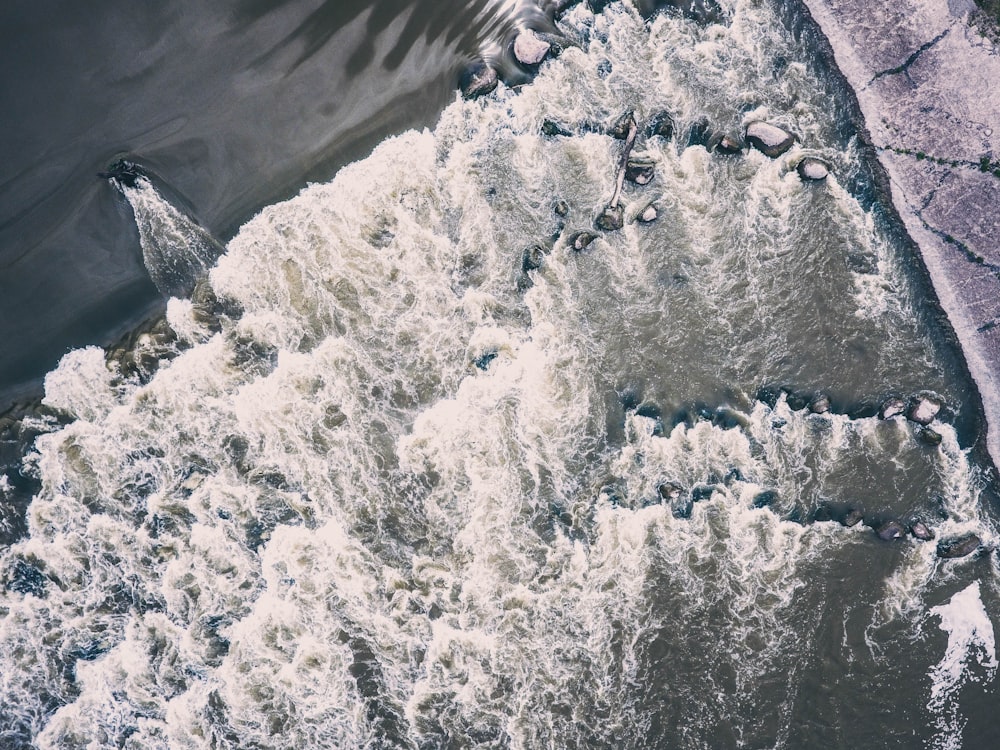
926 81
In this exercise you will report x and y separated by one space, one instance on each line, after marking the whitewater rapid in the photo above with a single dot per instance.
402 491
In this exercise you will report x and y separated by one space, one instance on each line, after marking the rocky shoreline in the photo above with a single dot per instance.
923 75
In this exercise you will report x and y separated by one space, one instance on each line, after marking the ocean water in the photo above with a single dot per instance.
389 485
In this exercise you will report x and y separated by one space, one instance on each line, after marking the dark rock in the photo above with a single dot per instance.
852 518
920 531
796 401
702 492
923 409
669 491
769 139
729 145
682 509
812 169
123 172
649 410
890 530
620 128
958 546
661 125
561 208
819 405
530 49
580 240
611 219
478 79
930 437
532 258
550 127
893 407
640 172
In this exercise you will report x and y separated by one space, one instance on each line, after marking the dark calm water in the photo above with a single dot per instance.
393 478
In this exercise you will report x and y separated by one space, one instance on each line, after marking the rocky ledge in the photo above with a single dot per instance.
925 80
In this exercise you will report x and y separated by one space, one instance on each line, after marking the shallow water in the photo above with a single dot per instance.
402 492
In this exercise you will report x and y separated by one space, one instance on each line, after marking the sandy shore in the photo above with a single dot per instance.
926 81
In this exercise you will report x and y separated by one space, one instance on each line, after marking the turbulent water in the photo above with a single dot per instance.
403 489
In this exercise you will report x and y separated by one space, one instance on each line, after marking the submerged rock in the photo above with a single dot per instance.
852 518
532 258
813 169
961 546
920 531
661 125
580 240
551 127
639 171
923 409
669 491
561 208
890 530
530 49
769 139
893 407
611 219
478 79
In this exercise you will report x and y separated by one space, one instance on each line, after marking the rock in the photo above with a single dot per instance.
893 407
669 491
580 240
852 518
550 127
648 214
478 79
700 133
923 409
769 139
661 125
561 208
958 546
920 531
620 128
813 169
530 49
819 405
639 171
729 145
822 513
611 219
890 530
930 437
532 258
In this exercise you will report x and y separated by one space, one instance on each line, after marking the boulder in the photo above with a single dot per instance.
812 169
661 125
639 171
479 79
561 208
819 405
852 518
580 240
551 127
920 531
890 530
729 145
648 214
530 49
960 546
769 139
669 491
893 407
930 437
611 219
532 258
923 409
